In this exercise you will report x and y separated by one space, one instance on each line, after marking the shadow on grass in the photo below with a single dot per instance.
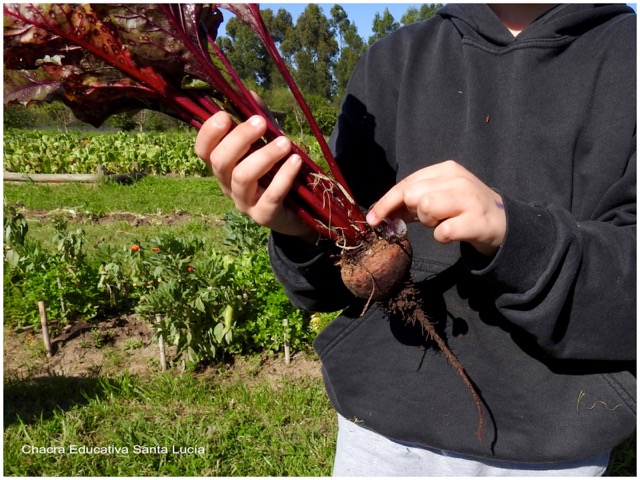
32 399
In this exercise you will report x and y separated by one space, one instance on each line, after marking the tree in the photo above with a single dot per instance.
351 45
383 25
280 26
339 23
312 49
246 52
413 14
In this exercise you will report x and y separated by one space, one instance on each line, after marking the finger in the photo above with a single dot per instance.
272 198
210 134
416 190
467 227
402 199
390 203
440 204
246 175
233 147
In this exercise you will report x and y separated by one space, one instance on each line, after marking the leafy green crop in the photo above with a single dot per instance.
32 151
208 303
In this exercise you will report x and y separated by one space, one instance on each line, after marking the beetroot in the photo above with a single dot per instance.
378 268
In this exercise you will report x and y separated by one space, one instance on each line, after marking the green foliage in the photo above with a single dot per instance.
193 297
205 302
246 53
326 117
325 114
41 115
212 304
426 10
29 151
15 233
383 25
17 116
312 48
61 278
242 233
351 45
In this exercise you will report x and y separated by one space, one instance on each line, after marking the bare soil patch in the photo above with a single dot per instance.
122 344
108 347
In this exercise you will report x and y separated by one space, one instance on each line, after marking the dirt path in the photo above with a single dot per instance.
135 219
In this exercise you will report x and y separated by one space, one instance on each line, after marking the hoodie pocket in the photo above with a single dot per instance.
339 330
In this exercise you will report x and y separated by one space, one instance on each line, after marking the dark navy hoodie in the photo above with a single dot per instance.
545 329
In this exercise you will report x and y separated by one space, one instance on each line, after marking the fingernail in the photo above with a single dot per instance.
217 121
282 142
256 121
295 159
371 218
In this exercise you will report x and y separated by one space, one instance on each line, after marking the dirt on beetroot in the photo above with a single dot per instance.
376 268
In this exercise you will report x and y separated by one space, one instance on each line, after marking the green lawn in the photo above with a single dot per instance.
233 427
153 194
168 424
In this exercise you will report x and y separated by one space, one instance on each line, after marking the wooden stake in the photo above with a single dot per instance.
45 329
287 353
163 358
63 308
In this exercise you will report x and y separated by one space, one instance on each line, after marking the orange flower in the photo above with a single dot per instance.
135 248
191 268
156 249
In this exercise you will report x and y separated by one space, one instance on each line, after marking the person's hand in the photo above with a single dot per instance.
452 201
222 149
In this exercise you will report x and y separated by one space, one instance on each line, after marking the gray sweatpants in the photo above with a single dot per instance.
363 453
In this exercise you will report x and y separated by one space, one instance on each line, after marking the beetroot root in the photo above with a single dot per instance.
408 305
378 268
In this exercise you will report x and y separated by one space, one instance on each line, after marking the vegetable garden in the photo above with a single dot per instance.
201 293
167 247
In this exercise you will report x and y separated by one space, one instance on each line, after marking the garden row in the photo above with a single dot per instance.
33 151
159 153
206 301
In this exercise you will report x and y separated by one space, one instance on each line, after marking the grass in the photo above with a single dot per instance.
623 459
151 197
232 427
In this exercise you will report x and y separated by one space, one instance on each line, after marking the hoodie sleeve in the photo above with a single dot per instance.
571 284
308 274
